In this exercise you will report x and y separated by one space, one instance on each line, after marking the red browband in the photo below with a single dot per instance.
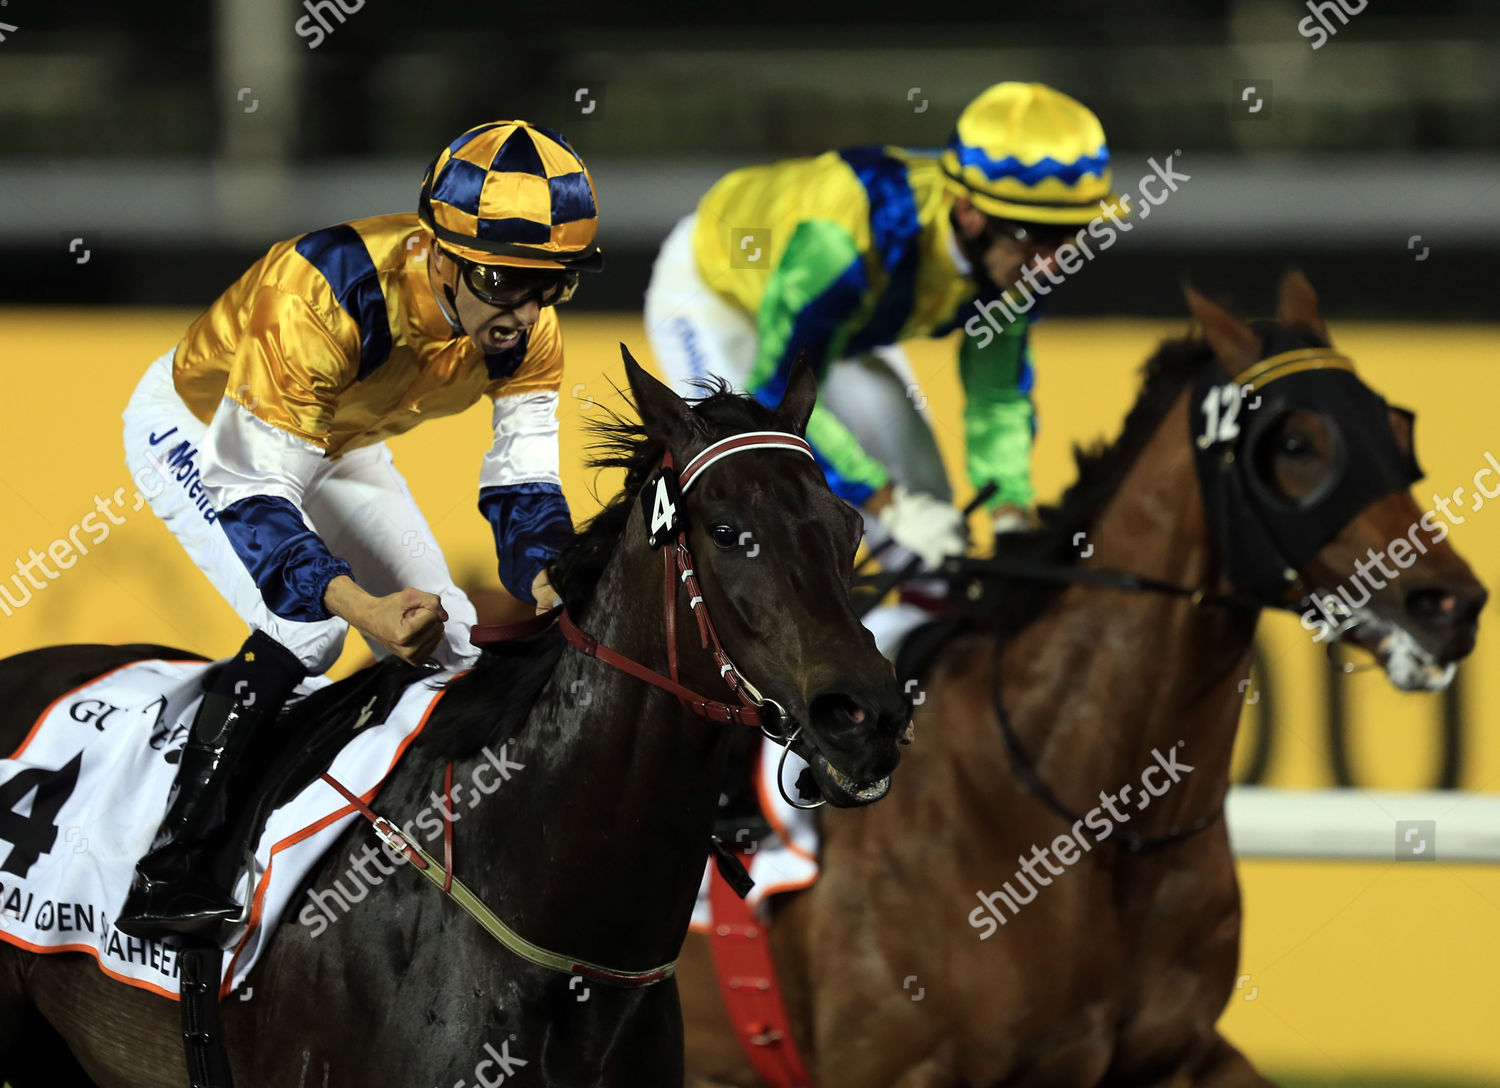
680 557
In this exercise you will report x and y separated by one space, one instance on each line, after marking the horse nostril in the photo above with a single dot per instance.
840 708
846 709
859 718
1441 608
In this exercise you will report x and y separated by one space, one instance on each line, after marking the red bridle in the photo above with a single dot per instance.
677 562
748 712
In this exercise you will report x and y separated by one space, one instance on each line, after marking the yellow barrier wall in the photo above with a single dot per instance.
1352 968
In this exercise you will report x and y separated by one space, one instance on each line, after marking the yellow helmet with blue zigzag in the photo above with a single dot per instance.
1025 151
512 193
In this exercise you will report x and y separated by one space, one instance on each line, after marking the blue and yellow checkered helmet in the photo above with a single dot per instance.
1026 152
512 193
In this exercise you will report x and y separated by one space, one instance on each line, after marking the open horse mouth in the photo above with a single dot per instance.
853 792
1408 664
832 784
849 738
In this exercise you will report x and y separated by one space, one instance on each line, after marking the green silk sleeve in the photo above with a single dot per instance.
816 296
999 418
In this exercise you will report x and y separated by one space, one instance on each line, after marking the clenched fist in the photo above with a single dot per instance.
408 623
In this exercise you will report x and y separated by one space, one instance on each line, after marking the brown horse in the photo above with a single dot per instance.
1116 966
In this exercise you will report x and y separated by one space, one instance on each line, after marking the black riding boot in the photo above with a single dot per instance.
183 885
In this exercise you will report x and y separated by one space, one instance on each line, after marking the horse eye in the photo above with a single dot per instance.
724 536
1296 444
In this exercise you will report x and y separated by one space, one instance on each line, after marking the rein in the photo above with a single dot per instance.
1221 434
753 708
1030 777
441 875
973 571
666 489
970 575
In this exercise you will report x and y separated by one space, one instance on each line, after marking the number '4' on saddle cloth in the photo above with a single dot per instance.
82 796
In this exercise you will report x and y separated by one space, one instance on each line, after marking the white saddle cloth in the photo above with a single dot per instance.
787 861
81 798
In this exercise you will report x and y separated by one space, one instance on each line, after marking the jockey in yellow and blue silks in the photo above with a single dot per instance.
266 425
845 255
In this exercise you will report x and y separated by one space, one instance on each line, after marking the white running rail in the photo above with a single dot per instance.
1373 825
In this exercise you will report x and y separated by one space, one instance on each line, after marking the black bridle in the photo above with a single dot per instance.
1222 474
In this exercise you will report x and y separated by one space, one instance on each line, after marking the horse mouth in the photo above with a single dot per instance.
853 793
1408 664
826 782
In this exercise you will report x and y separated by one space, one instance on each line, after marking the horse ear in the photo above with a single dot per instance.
799 397
1298 305
1233 341
663 413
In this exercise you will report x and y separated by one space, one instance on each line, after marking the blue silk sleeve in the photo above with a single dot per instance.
289 562
532 525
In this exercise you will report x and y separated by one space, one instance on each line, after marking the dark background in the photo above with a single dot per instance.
178 140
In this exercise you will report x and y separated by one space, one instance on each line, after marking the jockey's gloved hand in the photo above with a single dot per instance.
925 525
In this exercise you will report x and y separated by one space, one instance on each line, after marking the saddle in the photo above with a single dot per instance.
300 745
303 741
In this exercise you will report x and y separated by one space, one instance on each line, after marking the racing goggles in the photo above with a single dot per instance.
510 288
1030 237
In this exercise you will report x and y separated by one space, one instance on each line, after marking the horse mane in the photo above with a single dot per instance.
1101 470
490 702
621 442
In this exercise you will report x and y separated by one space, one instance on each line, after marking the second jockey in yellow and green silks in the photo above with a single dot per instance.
845 255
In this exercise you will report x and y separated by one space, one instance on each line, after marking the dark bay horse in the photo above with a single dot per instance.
1110 966
595 844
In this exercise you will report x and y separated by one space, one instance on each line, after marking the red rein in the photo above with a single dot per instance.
677 561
